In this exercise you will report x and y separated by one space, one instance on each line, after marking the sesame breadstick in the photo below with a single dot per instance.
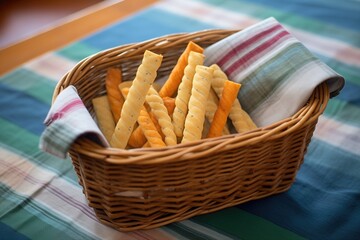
145 76
137 138
184 92
194 121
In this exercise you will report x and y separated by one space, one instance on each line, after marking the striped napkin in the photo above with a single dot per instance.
68 119
277 72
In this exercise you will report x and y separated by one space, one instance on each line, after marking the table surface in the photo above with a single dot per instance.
40 197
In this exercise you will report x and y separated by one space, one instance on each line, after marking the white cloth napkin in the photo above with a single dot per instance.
277 73
67 120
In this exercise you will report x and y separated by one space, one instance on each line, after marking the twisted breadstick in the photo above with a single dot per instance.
194 121
161 114
145 76
240 119
149 129
116 101
184 92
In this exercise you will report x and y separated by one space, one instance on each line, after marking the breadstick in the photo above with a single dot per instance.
211 106
104 116
156 123
149 129
184 92
228 96
169 103
116 101
145 76
218 80
161 114
194 121
240 119
125 84
137 138
172 83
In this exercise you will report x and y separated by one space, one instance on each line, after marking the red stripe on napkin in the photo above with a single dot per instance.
257 52
243 45
67 108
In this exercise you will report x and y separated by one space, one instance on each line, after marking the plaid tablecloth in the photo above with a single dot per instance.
39 194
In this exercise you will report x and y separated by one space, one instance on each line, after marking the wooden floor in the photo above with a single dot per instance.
49 28
20 19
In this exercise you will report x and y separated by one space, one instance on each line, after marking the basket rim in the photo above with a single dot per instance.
306 115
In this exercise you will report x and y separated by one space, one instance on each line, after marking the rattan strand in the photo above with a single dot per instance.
148 188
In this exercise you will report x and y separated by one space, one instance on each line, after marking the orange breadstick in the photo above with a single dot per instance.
169 103
240 119
116 101
156 123
137 138
172 83
148 127
226 101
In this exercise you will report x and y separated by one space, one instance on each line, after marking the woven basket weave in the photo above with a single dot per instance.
148 188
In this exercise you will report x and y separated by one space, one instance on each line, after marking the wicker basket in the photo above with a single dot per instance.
148 188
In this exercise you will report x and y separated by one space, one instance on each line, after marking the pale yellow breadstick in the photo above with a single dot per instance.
184 92
149 129
219 78
104 116
162 116
145 76
194 121
127 84
137 138
240 119
211 107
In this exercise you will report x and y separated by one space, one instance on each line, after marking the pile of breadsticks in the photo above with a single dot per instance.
195 102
